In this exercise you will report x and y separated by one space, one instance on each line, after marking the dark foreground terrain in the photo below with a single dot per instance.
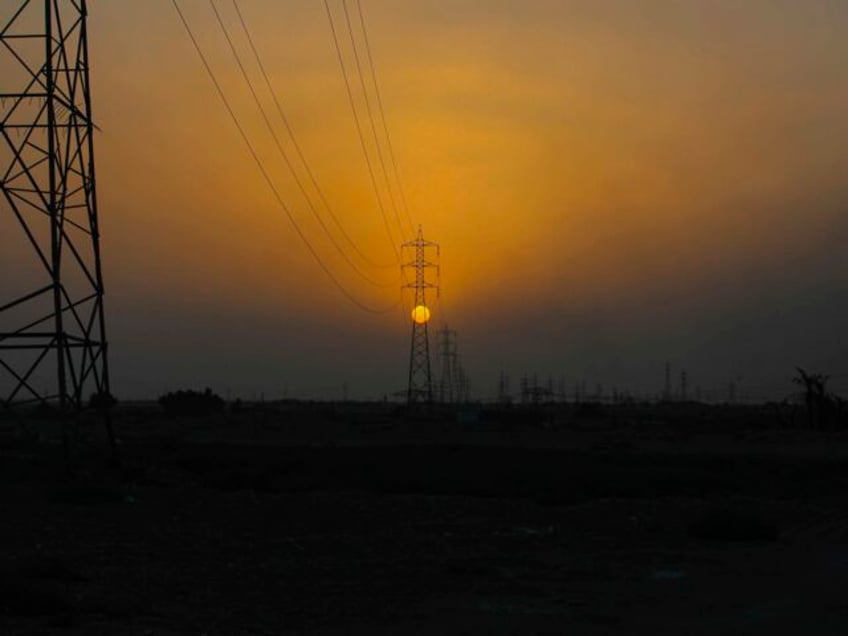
611 535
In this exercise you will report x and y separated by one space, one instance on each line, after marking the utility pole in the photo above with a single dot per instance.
420 387
667 388
53 345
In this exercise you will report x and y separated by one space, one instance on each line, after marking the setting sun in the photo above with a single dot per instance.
421 315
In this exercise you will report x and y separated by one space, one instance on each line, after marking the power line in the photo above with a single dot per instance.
285 156
296 144
371 118
383 117
267 177
359 131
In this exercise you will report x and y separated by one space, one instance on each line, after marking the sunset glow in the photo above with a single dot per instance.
423 316
610 181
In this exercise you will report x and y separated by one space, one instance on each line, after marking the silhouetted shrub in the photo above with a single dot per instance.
191 403
102 400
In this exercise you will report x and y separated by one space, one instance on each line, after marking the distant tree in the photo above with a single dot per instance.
102 400
192 402
823 408
814 395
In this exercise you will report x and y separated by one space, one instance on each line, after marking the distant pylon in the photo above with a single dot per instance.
463 382
503 389
448 381
52 331
420 387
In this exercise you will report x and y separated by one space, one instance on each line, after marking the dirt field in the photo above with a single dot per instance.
573 533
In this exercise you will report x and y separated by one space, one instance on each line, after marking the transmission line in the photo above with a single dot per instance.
371 117
296 144
267 177
383 117
359 131
285 156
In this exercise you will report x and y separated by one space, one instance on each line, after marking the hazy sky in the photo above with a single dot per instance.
613 184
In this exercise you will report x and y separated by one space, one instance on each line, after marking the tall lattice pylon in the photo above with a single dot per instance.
448 356
52 331
420 379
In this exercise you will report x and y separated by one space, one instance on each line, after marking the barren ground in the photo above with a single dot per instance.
546 533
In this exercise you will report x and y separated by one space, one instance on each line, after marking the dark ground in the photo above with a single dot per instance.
612 530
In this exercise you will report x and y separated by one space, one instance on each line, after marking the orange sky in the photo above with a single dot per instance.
576 160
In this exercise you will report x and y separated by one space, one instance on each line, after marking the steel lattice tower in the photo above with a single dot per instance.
448 382
420 380
52 331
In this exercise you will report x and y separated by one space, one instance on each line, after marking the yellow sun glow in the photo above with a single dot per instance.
421 314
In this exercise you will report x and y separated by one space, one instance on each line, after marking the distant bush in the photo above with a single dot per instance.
191 403
102 400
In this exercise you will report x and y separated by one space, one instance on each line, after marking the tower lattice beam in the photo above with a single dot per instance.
52 331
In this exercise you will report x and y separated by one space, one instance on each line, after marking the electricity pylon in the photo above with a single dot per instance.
503 389
420 388
448 356
463 382
52 330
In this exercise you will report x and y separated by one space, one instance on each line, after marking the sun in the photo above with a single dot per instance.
421 315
